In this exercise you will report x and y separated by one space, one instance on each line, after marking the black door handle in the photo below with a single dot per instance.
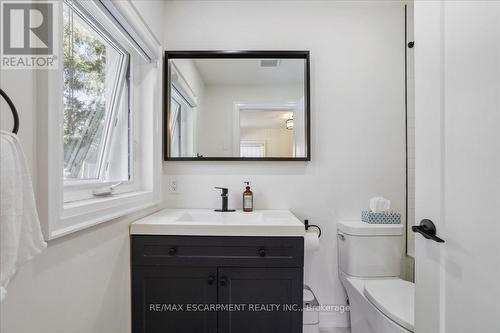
262 252
172 250
211 279
428 230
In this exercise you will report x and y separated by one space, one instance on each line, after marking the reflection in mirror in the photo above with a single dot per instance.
234 108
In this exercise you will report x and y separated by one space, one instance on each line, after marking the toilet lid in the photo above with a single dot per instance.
395 298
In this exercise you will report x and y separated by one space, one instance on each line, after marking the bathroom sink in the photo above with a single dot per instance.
237 217
205 222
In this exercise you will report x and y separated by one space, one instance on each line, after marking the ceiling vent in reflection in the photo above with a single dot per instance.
269 62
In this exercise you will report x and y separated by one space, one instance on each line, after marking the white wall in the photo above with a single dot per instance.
81 283
358 129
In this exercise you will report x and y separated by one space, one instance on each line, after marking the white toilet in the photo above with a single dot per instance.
369 267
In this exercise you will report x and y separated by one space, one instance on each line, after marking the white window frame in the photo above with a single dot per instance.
60 218
184 121
81 189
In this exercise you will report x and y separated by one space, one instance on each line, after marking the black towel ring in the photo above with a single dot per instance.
15 115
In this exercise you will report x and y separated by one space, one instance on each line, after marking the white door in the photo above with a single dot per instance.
457 103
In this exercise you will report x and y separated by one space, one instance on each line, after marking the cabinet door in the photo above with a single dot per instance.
160 298
272 298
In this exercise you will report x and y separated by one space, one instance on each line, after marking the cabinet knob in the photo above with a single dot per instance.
172 250
223 281
262 252
211 279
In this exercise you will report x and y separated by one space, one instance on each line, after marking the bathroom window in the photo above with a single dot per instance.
96 103
252 148
175 123
181 120
103 105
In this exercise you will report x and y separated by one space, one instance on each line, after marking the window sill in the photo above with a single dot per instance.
102 200
86 213
83 194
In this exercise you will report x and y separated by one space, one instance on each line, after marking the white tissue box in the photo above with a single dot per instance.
389 217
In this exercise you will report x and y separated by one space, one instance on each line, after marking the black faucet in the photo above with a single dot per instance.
224 200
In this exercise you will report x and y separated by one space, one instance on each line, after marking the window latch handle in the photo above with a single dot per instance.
105 190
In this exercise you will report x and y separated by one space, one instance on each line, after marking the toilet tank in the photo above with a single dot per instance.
370 250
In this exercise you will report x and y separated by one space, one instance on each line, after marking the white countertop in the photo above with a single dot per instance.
206 222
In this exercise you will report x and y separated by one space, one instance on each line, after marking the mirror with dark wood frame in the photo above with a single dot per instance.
237 105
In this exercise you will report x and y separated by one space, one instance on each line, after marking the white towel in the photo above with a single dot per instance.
20 233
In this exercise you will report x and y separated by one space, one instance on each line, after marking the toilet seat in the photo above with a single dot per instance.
394 298
308 295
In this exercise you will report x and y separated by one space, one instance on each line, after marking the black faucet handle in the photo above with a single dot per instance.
224 190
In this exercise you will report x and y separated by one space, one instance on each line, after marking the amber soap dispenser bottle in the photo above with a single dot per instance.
247 199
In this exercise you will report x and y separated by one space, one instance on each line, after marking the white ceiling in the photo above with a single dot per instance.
264 119
249 71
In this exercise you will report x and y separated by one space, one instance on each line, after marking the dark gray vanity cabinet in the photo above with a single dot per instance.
159 291
263 286
186 284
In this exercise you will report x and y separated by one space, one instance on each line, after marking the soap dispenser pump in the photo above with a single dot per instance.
247 199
